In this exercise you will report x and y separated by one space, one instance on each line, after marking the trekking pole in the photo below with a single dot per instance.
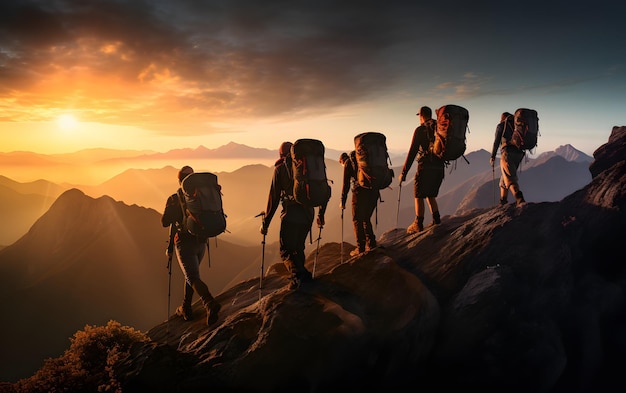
317 251
262 215
170 252
341 248
398 210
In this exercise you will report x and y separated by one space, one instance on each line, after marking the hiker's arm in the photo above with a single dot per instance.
320 215
345 187
170 243
170 213
273 199
496 142
410 157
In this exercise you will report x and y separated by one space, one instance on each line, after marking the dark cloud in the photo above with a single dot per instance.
264 58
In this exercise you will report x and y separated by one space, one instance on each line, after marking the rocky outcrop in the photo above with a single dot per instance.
528 299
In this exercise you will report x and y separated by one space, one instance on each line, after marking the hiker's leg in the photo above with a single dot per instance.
301 233
193 251
517 193
185 310
368 199
508 166
287 247
292 242
434 210
359 215
418 224
359 233
211 306
420 207
504 192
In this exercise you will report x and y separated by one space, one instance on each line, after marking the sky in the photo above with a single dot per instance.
161 75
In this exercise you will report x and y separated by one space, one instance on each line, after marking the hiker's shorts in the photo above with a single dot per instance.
428 179
509 163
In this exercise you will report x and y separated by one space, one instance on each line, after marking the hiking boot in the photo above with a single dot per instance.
185 312
415 227
436 218
212 310
356 252
294 283
503 201
519 197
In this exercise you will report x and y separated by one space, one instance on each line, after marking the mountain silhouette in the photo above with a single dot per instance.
86 261
22 204
246 190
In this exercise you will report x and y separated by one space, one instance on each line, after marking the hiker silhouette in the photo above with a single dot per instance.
190 250
430 170
510 158
364 202
295 219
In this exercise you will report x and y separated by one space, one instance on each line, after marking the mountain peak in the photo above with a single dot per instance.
568 152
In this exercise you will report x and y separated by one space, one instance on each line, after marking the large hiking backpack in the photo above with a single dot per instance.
203 214
449 141
310 185
525 129
372 161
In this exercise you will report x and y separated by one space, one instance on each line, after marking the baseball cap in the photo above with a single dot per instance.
425 111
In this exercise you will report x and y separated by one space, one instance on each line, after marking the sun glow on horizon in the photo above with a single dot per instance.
67 122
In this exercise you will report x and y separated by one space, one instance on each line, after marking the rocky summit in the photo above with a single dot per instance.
506 299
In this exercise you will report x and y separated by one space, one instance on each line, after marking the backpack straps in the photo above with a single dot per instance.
183 207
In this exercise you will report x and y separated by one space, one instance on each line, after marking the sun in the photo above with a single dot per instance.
67 122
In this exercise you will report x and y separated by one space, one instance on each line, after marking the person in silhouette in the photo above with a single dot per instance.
430 171
364 202
190 250
295 219
510 158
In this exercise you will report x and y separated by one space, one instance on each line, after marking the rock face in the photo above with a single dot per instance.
528 299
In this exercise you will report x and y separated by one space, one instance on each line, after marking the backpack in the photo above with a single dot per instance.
372 161
201 199
435 141
449 143
525 129
310 185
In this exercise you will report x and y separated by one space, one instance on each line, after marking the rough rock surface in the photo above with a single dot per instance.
515 299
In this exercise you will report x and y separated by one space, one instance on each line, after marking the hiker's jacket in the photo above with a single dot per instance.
173 214
504 131
420 149
281 191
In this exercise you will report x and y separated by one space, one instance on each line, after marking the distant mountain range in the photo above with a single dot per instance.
78 254
245 190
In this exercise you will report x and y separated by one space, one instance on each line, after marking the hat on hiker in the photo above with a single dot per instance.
285 149
184 172
425 111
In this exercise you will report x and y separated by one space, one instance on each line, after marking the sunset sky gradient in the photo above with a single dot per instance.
161 75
